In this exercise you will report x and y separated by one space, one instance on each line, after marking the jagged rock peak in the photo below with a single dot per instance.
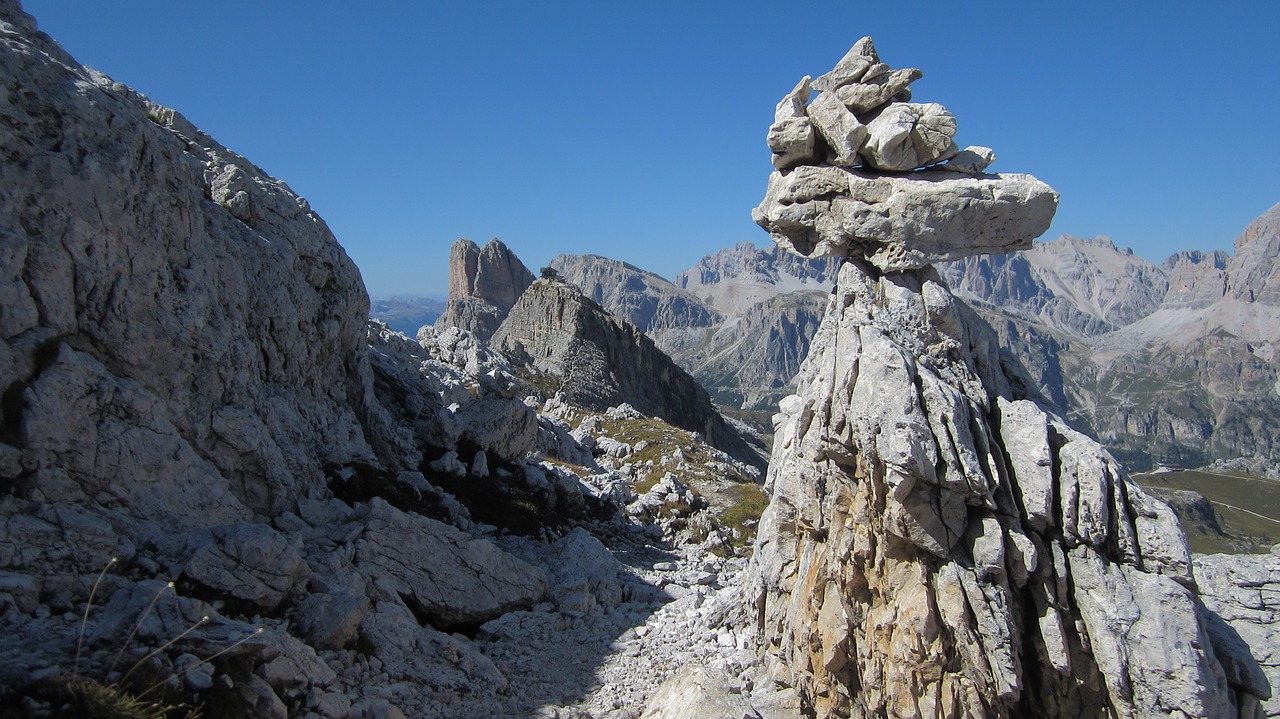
1255 267
600 361
642 298
484 282
938 543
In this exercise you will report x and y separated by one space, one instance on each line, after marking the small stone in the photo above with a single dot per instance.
908 135
971 160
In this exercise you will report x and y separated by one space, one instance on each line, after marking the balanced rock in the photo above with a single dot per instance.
862 97
843 132
907 135
903 221
857 64
862 117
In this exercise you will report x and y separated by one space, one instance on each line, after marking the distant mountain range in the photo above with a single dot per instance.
1170 363
1176 363
406 313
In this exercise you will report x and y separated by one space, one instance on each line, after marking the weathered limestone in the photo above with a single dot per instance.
250 562
843 132
188 379
446 576
937 543
863 117
186 320
907 135
1242 595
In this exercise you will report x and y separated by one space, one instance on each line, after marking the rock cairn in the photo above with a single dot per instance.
938 543
831 195
863 117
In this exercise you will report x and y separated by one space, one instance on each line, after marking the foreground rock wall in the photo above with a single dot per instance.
172 315
937 543
205 449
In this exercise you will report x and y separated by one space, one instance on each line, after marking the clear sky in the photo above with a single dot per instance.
635 130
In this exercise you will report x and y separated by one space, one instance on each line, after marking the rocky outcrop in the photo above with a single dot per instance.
598 361
642 298
484 282
172 314
937 543
1242 595
206 448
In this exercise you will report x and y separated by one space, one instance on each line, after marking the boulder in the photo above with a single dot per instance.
853 67
791 136
907 135
863 97
448 578
843 133
972 160
250 562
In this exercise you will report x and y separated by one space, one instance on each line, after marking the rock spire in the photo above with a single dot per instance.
938 543
484 283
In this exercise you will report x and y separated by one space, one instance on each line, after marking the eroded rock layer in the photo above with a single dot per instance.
937 543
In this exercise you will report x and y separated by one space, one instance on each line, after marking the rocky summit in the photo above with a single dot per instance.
484 283
598 361
938 542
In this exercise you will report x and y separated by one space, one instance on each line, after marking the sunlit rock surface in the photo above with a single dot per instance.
937 543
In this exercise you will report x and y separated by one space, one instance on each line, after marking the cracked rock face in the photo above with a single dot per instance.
160 294
937 543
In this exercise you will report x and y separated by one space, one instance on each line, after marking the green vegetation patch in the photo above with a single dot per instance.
749 503
1247 507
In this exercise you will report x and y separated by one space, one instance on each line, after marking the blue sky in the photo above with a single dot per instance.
636 130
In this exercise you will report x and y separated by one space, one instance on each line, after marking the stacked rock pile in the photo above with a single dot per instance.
863 117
